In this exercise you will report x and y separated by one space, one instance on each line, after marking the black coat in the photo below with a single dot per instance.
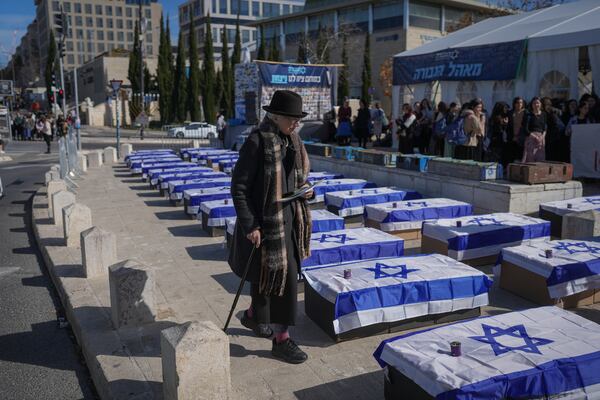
247 183
362 123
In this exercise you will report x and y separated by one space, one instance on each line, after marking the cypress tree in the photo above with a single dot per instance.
179 96
165 74
366 72
343 86
274 53
236 56
133 74
220 91
301 58
262 50
209 75
226 97
50 64
193 90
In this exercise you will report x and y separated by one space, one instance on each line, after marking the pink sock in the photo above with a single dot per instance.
282 337
250 312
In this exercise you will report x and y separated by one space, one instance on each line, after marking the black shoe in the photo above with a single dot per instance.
288 351
260 330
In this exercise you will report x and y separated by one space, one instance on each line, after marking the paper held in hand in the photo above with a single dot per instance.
298 193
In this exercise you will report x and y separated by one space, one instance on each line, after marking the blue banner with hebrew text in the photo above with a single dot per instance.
494 62
294 75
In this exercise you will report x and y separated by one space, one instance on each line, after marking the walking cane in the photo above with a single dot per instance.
239 291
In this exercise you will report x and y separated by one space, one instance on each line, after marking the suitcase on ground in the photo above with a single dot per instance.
540 172
413 162
376 157
465 169
345 152
318 149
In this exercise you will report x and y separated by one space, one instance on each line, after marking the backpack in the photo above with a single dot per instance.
440 127
455 132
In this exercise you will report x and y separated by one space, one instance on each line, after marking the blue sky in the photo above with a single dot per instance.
16 15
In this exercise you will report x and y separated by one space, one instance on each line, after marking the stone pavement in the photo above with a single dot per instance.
194 283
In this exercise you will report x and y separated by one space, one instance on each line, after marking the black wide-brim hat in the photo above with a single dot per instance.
287 103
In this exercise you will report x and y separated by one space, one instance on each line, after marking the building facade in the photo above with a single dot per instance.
224 14
97 26
393 25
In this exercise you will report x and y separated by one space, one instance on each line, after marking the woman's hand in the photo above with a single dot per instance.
309 195
254 237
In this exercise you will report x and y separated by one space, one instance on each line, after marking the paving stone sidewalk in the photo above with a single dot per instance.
194 282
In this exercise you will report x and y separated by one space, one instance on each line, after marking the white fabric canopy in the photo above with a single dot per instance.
562 26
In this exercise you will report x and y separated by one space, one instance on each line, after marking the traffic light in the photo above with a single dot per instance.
53 81
61 49
59 23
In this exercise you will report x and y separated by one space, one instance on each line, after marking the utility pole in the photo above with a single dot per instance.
141 41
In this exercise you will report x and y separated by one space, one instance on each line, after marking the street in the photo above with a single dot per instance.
38 359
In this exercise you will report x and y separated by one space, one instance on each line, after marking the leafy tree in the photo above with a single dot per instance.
366 72
209 75
343 83
226 73
322 53
262 50
50 63
193 90
179 84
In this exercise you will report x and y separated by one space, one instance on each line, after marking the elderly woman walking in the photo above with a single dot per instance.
272 163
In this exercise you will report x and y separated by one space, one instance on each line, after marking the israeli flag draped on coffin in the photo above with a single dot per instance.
525 354
573 268
394 289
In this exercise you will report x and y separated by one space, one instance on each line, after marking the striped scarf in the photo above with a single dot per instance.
273 270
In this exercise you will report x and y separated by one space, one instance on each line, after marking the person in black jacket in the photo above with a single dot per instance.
272 162
362 125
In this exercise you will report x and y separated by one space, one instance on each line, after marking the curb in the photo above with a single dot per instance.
114 371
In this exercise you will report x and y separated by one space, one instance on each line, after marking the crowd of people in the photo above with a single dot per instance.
29 126
523 131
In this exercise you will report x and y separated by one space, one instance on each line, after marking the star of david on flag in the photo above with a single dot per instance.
330 238
578 247
484 221
416 203
491 333
593 200
402 273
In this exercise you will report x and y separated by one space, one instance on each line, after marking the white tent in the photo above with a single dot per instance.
547 42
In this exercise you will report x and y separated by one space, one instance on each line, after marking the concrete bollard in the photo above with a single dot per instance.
195 143
54 186
51 175
132 299
126 149
55 167
76 219
110 155
581 225
60 200
94 159
195 362
82 162
98 251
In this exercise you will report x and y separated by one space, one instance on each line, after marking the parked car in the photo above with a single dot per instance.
194 130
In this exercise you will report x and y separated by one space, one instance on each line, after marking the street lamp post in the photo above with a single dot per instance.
143 23
116 85
77 120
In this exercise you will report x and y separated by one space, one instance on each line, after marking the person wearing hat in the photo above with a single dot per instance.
272 162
